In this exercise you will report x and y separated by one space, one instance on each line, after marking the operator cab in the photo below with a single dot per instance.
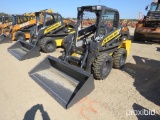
155 6
6 19
45 19
95 22
19 19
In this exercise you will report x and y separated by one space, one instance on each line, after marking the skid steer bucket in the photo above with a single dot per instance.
4 39
23 50
66 83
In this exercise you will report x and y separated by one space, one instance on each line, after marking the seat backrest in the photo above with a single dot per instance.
104 30
50 22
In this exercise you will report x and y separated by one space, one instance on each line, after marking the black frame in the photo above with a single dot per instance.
92 50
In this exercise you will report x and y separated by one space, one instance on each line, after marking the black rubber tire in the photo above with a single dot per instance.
67 40
119 58
20 36
102 66
48 44
137 37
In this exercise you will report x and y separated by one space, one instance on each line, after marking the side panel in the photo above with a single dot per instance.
111 36
52 27
59 41
127 45
27 34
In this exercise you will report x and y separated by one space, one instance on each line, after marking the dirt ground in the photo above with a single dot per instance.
133 88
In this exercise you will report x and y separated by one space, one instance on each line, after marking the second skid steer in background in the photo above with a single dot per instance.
20 28
45 37
18 22
91 52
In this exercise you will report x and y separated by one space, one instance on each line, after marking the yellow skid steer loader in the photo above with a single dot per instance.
20 27
89 53
45 37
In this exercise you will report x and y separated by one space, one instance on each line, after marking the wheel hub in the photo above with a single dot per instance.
123 59
105 67
49 46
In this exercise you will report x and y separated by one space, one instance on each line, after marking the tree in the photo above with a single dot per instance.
4 14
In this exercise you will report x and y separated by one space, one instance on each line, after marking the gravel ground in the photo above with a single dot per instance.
134 88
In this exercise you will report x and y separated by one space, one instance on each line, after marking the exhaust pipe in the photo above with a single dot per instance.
66 83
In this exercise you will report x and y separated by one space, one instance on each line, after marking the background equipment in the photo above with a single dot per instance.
45 37
149 27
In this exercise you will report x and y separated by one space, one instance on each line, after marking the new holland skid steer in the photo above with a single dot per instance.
91 52
45 37
20 28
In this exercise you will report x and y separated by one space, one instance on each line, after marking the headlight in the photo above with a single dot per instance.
96 7
99 7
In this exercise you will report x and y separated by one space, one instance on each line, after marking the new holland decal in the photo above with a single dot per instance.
52 27
24 24
110 37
